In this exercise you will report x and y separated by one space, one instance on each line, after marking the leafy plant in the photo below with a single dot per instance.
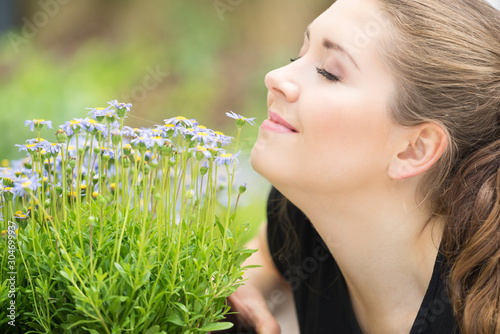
117 230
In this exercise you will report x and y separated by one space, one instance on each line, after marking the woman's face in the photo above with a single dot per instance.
329 128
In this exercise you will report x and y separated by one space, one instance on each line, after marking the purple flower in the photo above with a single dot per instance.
143 142
222 138
240 120
38 124
127 131
181 120
202 150
98 113
53 148
226 159
28 147
91 124
75 124
204 137
22 185
119 105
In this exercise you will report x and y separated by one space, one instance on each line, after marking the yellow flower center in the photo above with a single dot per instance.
73 122
181 118
201 148
169 126
226 155
202 127
26 184
219 133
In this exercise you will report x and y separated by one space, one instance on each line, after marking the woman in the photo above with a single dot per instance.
384 133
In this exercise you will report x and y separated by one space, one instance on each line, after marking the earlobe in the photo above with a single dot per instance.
426 144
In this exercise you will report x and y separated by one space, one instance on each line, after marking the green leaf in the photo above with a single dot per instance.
182 307
120 268
92 331
219 225
216 326
175 319
66 273
153 330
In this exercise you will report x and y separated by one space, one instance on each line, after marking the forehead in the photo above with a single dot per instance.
357 25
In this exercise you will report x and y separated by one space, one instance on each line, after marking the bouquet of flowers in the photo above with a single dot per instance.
111 229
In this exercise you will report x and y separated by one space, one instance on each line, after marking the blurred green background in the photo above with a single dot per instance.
193 58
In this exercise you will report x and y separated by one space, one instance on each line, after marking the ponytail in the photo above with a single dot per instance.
471 241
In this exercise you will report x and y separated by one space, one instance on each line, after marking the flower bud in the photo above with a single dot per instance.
72 162
127 149
154 163
166 149
199 155
243 188
101 200
61 136
8 195
110 117
157 196
126 162
7 182
121 112
105 157
190 193
204 169
96 150
147 169
172 162
47 203
115 137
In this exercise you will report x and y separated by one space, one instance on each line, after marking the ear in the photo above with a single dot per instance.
424 145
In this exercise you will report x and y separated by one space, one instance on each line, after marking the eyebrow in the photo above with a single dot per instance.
330 45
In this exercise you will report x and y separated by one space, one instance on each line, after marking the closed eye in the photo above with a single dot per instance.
327 74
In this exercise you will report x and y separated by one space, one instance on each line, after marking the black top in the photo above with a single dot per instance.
321 297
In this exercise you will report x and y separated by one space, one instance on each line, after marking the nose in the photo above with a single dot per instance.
280 84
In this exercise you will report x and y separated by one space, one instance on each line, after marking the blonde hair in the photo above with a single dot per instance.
445 57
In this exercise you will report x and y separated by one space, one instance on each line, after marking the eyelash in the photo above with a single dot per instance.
322 71
327 74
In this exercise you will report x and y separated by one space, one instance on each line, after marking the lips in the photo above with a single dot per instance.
277 124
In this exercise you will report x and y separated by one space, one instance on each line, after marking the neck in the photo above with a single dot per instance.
385 246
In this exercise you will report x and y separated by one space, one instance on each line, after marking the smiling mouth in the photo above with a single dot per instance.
279 123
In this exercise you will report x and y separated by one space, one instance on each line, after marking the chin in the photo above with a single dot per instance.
256 159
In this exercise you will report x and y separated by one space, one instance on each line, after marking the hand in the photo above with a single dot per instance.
253 314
